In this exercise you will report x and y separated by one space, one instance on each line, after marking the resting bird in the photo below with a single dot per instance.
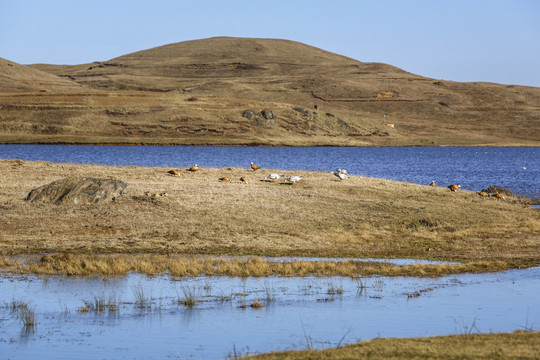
254 167
482 193
294 179
243 179
194 168
498 196
342 174
224 179
273 177
173 172
454 187
432 184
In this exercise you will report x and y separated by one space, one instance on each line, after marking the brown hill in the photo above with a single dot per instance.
214 91
19 78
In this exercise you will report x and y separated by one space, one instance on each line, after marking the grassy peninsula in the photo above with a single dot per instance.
189 224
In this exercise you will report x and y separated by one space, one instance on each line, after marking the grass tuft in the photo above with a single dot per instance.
100 304
25 314
190 298
142 299
335 289
257 304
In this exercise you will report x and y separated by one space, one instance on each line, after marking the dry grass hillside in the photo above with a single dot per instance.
214 91
24 79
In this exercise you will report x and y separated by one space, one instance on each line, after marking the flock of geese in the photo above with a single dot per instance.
273 177
341 174
455 187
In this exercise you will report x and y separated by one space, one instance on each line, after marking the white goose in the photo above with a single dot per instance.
342 174
294 179
273 177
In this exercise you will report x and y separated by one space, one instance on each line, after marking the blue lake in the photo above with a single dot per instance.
298 309
474 168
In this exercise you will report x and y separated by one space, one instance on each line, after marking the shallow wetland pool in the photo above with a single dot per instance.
136 316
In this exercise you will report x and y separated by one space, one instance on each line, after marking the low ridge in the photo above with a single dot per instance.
19 78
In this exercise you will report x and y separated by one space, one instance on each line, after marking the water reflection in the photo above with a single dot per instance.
295 312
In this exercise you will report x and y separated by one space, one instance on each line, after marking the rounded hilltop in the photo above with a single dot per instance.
248 91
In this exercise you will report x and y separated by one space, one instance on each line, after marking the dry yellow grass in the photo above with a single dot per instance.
192 265
320 216
517 345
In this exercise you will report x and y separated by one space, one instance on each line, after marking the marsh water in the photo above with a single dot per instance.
296 313
474 168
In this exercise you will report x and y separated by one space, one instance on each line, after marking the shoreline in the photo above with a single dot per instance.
511 144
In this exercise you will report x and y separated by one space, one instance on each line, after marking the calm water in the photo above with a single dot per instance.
475 168
300 307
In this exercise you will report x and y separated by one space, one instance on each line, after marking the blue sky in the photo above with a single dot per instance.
474 40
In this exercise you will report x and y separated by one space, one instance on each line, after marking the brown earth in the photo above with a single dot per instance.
197 92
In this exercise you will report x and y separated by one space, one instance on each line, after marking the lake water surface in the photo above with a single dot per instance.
322 312
475 168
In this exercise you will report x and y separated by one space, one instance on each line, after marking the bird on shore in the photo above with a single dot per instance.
454 187
294 179
498 196
173 173
243 179
273 177
342 174
432 184
254 167
223 179
193 168
482 193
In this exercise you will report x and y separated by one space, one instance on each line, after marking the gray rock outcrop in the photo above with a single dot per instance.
78 190
265 118
267 114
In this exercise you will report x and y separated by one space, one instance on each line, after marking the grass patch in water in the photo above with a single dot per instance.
191 296
257 304
143 300
24 313
269 293
100 303
28 317
122 264
335 289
